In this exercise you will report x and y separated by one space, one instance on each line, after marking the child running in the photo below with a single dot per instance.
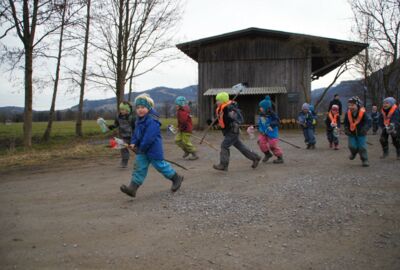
356 125
125 122
268 124
389 121
185 127
147 143
375 119
228 113
306 119
332 122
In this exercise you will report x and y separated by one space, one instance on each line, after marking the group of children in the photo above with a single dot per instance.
356 125
142 134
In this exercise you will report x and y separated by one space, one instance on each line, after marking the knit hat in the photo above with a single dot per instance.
390 100
305 106
180 101
222 97
335 108
125 107
144 100
266 103
355 100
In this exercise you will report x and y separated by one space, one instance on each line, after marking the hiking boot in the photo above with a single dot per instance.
255 162
124 163
194 156
176 182
279 160
384 155
185 155
352 156
220 167
308 146
267 156
130 190
336 147
312 146
365 163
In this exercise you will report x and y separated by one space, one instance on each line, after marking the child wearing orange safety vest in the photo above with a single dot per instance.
227 113
389 121
356 125
332 122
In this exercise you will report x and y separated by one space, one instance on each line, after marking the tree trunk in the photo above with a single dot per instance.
78 126
28 97
46 135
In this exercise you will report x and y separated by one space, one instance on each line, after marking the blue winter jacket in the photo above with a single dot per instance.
269 120
147 136
395 119
306 119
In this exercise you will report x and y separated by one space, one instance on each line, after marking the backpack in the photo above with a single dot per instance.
235 113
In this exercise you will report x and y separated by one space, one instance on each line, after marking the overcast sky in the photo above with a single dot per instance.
204 18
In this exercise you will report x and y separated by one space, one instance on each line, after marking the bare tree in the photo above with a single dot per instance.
378 23
131 32
62 10
342 69
78 126
24 17
167 108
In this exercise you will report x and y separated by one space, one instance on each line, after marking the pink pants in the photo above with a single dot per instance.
266 144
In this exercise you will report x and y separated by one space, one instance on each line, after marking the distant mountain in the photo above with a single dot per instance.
11 110
160 95
346 89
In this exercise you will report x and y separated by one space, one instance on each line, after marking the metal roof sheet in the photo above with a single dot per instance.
248 91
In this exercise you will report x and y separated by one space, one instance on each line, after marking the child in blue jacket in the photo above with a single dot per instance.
268 124
307 120
147 143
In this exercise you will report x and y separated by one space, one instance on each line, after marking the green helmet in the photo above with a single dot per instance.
222 97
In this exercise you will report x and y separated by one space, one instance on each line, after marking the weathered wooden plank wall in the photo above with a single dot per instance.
258 61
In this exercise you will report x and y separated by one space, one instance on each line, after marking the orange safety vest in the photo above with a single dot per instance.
386 118
220 113
333 117
353 124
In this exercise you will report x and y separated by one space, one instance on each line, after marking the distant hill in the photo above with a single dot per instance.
346 89
160 95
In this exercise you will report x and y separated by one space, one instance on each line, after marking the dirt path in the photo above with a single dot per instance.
317 211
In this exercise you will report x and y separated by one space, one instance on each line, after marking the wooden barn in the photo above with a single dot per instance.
276 63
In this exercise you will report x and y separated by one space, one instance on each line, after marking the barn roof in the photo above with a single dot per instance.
248 91
322 63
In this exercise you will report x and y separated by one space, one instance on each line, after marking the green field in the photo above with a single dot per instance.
62 132
63 144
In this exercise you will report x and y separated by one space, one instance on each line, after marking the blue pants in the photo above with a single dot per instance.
142 164
358 144
309 137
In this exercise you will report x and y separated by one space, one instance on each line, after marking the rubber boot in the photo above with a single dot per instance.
308 146
279 160
256 161
365 163
176 182
194 156
364 157
330 145
385 154
220 167
312 146
353 154
124 163
267 156
130 190
185 155
336 146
